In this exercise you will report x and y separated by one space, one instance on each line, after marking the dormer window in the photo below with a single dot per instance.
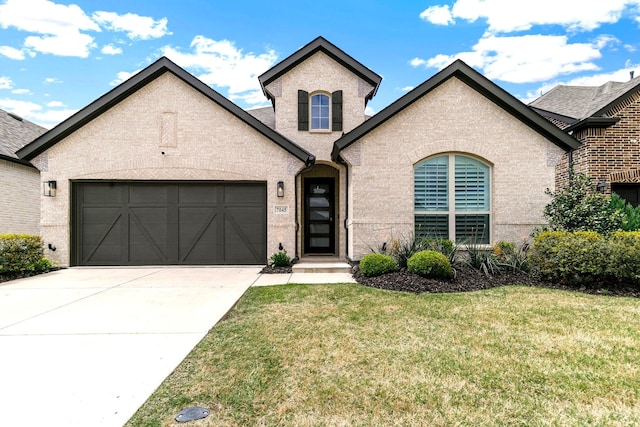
319 112
325 114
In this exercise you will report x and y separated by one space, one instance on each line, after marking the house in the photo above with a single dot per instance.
606 121
19 179
165 170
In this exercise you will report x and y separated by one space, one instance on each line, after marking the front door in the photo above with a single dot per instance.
319 228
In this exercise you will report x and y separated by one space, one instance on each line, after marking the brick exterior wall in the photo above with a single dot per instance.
166 131
20 188
612 154
453 118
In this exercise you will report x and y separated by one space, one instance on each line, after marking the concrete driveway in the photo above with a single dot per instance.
88 346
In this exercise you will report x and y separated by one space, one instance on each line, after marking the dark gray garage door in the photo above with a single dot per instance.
161 223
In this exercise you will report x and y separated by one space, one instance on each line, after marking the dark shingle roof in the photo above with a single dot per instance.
320 44
139 80
478 82
15 133
580 102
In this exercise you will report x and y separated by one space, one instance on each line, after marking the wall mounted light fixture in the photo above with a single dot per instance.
280 190
601 187
50 188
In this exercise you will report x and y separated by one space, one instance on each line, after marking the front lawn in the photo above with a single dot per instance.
349 355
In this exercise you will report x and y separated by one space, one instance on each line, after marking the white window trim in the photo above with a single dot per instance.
320 130
451 188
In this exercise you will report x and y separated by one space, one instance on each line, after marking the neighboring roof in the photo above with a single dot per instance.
320 44
580 102
139 80
476 81
265 114
15 133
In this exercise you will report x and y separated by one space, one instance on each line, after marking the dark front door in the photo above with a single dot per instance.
319 231
160 223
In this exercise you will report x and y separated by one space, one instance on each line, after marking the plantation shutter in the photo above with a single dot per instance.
303 110
472 185
336 111
430 185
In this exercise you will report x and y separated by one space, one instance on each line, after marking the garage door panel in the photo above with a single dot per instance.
145 223
148 235
102 233
198 235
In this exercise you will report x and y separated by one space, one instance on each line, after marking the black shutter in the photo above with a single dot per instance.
303 110
336 111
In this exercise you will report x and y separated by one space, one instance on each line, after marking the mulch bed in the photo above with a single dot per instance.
469 279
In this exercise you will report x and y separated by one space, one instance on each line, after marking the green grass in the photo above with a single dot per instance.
347 355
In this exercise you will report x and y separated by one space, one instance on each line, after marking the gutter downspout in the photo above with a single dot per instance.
341 161
311 161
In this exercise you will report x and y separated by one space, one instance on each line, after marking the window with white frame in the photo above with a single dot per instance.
320 111
452 198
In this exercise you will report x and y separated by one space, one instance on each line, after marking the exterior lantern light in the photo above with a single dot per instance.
280 191
50 188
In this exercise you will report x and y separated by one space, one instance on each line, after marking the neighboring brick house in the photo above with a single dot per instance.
19 180
606 121
165 170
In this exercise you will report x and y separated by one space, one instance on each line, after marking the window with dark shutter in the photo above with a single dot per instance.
303 110
336 111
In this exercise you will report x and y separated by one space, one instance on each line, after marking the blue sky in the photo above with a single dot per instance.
57 56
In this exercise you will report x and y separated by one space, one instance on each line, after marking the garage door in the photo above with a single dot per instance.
161 223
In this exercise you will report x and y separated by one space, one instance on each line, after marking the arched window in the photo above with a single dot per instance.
452 198
320 111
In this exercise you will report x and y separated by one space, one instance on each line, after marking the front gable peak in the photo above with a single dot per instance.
320 44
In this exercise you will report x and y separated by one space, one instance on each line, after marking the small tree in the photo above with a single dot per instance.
578 207
631 215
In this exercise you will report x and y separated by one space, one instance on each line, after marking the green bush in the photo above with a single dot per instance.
578 207
377 264
481 258
404 248
511 257
576 258
430 264
280 259
623 258
22 253
631 215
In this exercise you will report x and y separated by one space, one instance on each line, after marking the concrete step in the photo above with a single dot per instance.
321 267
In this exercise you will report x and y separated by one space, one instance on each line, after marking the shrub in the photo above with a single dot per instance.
430 264
631 215
482 259
280 259
576 258
577 207
377 264
22 253
622 263
404 248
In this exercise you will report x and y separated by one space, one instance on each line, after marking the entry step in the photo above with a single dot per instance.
321 267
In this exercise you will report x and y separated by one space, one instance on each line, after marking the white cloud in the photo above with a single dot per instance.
111 50
122 76
12 53
521 59
52 80
407 88
221 64
21 91
35 113
136 26
58 26
438 15
504 16
55 104
5 83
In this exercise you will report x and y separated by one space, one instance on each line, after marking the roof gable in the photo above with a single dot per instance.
320 44
136 82
15 133
479 83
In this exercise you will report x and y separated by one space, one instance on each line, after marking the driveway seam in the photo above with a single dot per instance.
73 302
